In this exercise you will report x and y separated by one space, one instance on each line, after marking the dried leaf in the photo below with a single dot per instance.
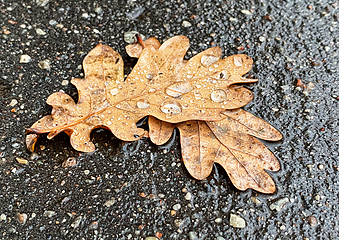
159 131
161 84
227 142
197 96
243 157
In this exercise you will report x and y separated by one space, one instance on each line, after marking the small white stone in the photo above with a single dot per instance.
44 64
13 102
64 82
25 58
76 222
262 39
3 217
110 202
186 24
85 15
40 32
245 11
176 207
279 204
327 48
86 172
98 10
188 196
237 221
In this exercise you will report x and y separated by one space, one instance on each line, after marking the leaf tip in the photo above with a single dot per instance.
31 140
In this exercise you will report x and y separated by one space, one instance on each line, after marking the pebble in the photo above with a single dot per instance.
188 196
245 11
85 15
41 3
321 166
255 200
25 58
186 24
49 214
21 160
130 38
3 217
327 48
44 64
86 172
40 32
218 220
279 204
32 216
193 235
15 145
22 218
232 19
76 222
262 39
110 202
53 22
237 221
220 238
312 221
178 222
93 225
98 10
176 207
151 238
13 102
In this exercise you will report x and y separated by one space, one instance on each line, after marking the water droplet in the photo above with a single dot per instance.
207 60
237 61
114 91
177 89
218 95
143 104
149 76
171 107
224 75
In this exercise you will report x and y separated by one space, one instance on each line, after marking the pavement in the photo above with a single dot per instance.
141 191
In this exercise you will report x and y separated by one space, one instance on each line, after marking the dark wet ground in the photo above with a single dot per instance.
128 190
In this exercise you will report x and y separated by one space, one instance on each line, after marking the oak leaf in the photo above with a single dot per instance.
228 142
161 84
197 96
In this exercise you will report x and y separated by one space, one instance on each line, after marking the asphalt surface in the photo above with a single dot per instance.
138 190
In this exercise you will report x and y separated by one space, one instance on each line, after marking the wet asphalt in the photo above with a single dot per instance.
138 190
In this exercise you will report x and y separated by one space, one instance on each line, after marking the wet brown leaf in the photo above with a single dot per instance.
161 84
242 156
198 96
226 142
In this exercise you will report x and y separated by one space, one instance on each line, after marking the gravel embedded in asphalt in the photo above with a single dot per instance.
294 45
